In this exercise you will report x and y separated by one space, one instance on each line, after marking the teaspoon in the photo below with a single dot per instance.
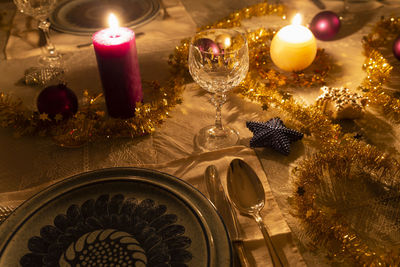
247 194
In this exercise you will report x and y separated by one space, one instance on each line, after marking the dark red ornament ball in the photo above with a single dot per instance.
325 25
57 99
396 48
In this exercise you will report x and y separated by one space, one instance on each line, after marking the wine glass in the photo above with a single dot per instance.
50 62
218 61
354 8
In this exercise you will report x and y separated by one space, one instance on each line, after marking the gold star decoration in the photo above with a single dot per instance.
341 103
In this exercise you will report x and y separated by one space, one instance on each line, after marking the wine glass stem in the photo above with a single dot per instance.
44 25
218 100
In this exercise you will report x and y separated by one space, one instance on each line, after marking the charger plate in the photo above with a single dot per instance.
129 216
84 17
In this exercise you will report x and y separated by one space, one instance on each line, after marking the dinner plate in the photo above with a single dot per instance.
84 17
124 216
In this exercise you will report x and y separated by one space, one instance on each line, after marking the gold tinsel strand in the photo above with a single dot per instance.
378 68
343 160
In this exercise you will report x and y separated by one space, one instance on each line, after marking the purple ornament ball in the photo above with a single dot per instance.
396 48
57 99
207 45
325 25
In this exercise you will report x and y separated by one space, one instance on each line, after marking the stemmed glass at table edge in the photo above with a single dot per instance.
41 10
217 136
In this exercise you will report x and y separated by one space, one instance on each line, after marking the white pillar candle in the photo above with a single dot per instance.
294 47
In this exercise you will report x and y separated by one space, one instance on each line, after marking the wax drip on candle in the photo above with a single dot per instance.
113 25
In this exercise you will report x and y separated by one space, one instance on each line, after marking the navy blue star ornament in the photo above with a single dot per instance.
273 134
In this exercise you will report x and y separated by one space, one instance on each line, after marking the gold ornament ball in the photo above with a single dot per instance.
223 40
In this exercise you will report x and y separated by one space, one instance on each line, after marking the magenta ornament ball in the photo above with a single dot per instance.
396 48
325 25
57 99
207 45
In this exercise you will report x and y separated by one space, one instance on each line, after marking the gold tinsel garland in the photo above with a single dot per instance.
378 68
345 160
90 122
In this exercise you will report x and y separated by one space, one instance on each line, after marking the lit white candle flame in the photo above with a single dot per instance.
113 24
296 19
295 32
113 21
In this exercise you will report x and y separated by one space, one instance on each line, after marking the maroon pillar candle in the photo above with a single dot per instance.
116 55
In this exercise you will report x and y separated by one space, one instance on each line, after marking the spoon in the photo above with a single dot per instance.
247 194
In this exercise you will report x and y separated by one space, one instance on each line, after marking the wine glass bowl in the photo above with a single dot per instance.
38 9
50 62
218 61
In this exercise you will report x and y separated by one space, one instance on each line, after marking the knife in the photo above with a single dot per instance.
319 4
225 209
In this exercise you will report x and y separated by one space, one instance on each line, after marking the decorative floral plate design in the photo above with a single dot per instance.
106 231
116 217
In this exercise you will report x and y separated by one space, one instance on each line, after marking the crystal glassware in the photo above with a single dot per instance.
50 62
218 61
352 9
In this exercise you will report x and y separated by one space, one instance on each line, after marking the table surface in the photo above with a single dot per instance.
31 161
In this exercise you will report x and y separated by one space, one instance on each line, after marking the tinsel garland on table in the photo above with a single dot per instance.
346 160
378 68
90 122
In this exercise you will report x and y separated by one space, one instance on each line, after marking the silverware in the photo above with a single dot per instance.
319 4
225 209
247 194
5 211
137 34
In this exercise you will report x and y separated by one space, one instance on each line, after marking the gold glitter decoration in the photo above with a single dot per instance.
340 103
378 68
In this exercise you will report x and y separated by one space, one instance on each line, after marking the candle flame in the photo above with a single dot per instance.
296 19
113 21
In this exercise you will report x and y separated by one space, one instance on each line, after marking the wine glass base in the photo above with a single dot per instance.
211 138
51 61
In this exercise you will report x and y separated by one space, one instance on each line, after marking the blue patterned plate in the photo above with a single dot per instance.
116 217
